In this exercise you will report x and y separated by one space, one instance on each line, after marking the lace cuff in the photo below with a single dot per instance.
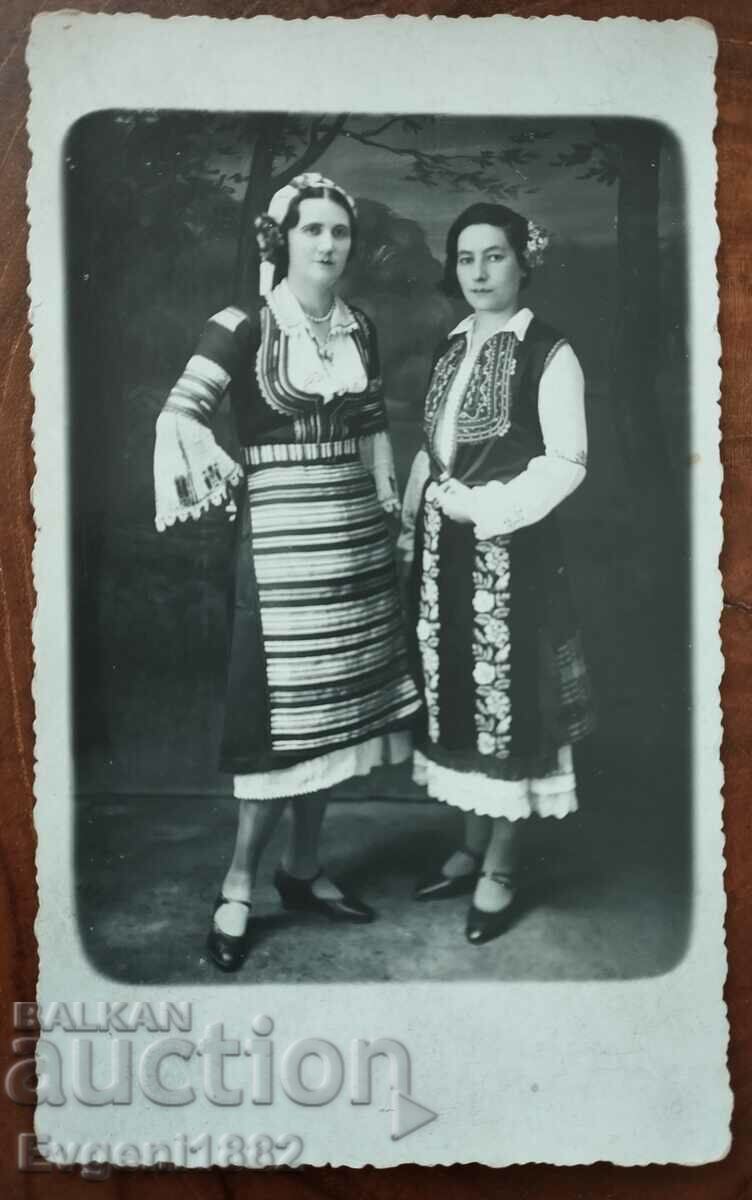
191 472
376 456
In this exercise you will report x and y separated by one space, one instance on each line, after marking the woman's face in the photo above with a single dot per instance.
319 245
487 269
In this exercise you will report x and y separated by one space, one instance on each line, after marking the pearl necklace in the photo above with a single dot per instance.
320 320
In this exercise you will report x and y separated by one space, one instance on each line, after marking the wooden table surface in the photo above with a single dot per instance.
731 1179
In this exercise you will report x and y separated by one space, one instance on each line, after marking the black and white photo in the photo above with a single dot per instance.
377 655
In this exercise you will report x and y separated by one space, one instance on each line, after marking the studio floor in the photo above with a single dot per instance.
608 895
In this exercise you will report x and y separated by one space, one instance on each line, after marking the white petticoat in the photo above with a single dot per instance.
316 774
553 795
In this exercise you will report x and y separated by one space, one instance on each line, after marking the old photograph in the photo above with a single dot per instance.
378 474
380 577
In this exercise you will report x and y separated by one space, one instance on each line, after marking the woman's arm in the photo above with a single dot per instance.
191 472
376 447
419 473
498 508
376 455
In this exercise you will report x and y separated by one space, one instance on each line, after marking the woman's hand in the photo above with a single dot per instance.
454 500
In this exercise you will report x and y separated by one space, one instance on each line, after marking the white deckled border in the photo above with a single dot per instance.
567 1073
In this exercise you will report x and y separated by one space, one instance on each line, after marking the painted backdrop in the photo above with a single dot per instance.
159 220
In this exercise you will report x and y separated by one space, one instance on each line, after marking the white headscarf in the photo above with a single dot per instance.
268 225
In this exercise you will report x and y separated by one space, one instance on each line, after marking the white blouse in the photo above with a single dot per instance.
340 369
499 508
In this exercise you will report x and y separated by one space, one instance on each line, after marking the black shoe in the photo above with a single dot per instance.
226 950
297 895
442 887
484 926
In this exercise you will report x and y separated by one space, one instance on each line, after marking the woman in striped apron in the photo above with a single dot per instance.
318 685
504 680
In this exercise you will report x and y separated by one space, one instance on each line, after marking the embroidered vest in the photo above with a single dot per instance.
497 429
267 408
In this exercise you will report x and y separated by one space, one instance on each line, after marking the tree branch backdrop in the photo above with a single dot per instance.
160 234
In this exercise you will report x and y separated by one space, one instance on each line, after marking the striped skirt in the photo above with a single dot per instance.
318 608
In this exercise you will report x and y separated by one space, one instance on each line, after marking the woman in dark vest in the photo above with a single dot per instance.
318 687
504 680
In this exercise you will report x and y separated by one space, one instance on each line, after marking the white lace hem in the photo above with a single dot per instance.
316 774
553 795
221 494
191 472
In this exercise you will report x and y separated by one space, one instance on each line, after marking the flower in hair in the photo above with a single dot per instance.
537 243
313 179
268 235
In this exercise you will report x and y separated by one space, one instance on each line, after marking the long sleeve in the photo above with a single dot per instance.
419 473
376 447
500 508
191 471
376 455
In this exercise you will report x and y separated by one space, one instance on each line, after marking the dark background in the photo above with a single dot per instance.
728 1180
159 234
159 211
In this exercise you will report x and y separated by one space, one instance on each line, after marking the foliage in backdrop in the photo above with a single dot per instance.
160 235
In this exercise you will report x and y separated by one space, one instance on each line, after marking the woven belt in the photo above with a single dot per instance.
298 452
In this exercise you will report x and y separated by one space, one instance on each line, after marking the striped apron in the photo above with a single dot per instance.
327 600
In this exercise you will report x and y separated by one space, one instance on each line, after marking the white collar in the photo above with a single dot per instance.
291 319
518 324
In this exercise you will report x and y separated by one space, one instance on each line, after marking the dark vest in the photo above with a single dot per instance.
266 406
498 428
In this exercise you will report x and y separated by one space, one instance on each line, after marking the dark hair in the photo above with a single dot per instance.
281 257
515 227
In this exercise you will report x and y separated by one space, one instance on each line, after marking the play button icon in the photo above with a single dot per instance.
408 1115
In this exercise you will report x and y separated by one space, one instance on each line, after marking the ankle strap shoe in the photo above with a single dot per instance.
297 895
442 887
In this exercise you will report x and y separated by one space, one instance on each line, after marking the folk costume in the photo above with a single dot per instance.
505 684
318 686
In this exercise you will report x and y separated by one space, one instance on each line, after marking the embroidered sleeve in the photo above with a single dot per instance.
500 508
192 472
419 474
